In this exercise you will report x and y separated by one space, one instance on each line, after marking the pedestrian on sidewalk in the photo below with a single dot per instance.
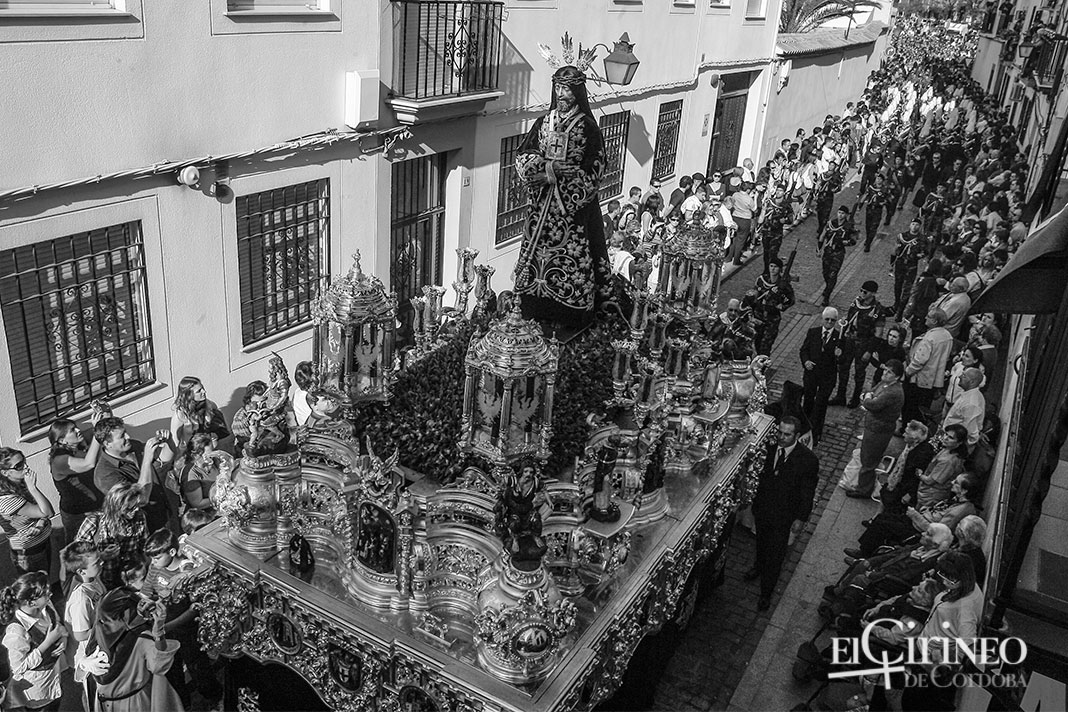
744 205
883 405
821 354
955 305
782 505
926 369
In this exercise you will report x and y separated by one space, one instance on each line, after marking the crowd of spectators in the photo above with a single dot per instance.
120 626
947 151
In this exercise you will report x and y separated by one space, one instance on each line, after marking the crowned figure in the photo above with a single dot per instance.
563 271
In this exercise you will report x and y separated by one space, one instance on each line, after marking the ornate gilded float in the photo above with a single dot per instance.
508 588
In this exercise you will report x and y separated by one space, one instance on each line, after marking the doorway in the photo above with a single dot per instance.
728 122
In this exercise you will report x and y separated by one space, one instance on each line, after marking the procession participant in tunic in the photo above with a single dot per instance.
774 295
832 243
563 272
861 320
911 245
875 200
773 221
829 185
735 324
898 178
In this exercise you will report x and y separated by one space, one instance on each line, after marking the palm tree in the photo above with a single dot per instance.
808 15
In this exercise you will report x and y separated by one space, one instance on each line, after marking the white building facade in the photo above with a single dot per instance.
182 177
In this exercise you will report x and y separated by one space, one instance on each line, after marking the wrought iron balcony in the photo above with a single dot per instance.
1049 59
446 57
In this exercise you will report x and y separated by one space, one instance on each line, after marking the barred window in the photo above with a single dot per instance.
667 139
614 130
512 198
76 320
283 245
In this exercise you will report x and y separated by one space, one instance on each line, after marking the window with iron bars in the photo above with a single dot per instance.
614 131
76 320
513 200
283 238
667 139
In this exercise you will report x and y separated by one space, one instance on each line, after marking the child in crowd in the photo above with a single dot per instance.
35 640
81 561
192 520
299 394
166 574
200 471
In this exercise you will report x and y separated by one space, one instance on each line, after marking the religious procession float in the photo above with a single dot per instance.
497 523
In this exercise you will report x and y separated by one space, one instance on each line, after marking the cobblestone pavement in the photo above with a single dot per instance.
726 629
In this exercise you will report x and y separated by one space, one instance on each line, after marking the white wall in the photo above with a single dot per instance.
818 85
177 80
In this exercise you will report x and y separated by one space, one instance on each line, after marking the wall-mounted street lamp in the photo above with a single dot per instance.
1025 49
620 65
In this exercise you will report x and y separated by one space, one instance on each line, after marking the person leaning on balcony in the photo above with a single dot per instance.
743 208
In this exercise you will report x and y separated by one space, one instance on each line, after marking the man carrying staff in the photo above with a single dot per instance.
563 272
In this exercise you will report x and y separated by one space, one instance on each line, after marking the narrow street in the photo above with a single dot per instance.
732 656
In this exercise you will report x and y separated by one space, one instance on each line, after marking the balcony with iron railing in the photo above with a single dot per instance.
1048 63
446 58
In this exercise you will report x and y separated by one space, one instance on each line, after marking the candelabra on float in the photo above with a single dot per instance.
426 315
465 275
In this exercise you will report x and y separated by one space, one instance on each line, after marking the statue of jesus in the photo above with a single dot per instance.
563 272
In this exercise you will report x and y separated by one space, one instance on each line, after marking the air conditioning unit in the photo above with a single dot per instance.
1017 93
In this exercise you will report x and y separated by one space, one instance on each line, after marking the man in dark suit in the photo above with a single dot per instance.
821 354
782 505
